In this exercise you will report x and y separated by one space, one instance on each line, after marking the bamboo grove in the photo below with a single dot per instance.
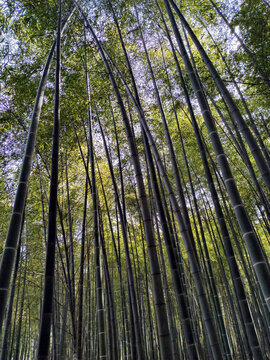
135 179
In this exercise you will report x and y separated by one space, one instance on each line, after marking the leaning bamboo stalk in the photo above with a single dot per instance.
255 251
254 148
10 248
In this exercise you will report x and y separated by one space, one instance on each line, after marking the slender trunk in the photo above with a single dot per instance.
4 347
81 280
46 316
18 342
99 301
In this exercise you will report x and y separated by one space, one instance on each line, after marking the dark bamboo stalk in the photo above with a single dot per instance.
81 279
99 301
4 346
46 316
18 342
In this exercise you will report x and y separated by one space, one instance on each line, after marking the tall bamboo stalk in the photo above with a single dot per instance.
47 306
